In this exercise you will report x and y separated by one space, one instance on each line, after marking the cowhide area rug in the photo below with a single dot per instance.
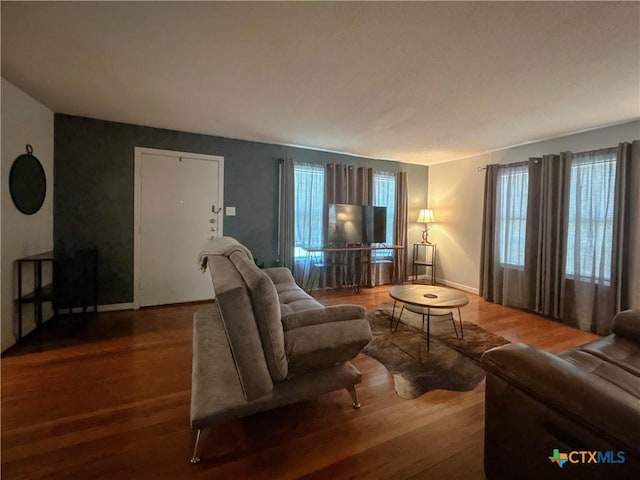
450 364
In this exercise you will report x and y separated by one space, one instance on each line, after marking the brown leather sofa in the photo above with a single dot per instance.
540 406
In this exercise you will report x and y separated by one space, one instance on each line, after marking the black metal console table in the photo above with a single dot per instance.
74 283
40 294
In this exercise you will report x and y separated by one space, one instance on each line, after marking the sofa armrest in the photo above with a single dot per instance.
627 324
317 316
568 389
323 345
279 275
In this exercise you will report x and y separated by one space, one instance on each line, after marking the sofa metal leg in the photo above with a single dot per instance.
354 396
196 448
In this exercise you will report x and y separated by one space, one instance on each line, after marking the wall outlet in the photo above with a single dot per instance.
230 211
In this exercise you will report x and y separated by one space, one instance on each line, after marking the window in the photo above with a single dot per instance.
384 195
309 202
591 209
511 208
308 207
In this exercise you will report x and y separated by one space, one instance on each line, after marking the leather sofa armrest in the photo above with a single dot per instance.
317 316
627 324
279 275
568 389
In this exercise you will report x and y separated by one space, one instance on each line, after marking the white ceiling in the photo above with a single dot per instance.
416 82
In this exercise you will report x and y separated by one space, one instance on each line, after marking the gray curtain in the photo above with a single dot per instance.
285 215
546 242
590 284
487 249
400 228
502 265
352 185
348 184
627 235
582 252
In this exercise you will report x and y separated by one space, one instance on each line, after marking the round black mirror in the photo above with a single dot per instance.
27 183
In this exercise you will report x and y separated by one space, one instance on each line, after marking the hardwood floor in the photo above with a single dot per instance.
107 396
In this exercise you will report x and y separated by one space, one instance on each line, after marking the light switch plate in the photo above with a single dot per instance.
230 211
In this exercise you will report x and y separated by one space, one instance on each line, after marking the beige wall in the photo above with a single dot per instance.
24 121
456 192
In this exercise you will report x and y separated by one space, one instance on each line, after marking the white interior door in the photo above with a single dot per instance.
176 195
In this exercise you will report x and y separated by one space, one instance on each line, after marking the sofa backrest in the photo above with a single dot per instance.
266 310
221 246
232 297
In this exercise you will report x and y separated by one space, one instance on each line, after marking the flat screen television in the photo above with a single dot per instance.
356 224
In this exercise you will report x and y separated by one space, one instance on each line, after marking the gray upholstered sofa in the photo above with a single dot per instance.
264 342
582 400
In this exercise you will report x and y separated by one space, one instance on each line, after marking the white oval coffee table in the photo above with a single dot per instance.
422 298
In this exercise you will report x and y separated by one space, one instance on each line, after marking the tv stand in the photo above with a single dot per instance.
354 267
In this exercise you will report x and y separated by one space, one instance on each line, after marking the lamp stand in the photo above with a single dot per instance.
425 235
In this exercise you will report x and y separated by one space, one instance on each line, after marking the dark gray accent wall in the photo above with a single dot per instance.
94 190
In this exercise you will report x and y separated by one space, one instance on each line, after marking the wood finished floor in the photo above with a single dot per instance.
107 396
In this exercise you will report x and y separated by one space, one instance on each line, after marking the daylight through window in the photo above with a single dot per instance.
308 207
591 210
512 197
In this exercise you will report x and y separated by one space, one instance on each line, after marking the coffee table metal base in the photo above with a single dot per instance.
425 312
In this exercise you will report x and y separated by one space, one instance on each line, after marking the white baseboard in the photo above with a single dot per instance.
442 281
423 278
101 308
115 306
459 286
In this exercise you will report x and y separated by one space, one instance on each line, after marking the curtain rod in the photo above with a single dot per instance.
600 151
514 164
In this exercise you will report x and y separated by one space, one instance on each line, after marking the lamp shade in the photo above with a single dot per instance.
425 216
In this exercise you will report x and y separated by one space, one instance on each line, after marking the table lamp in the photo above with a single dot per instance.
425 217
